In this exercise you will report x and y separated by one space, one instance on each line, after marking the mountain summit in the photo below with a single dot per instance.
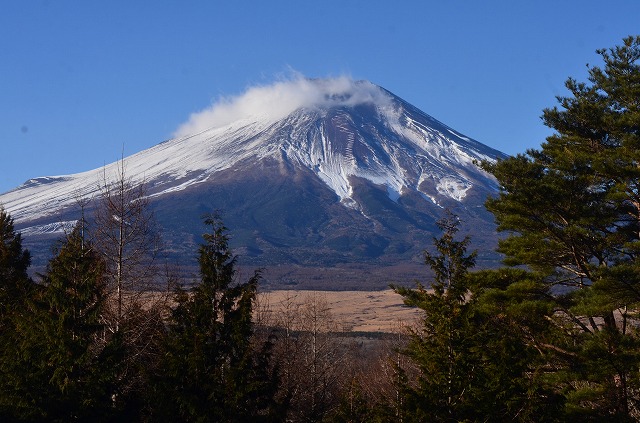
312 174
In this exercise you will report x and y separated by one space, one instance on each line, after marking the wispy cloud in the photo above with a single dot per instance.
279 99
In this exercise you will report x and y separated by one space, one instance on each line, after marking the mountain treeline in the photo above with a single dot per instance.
553 335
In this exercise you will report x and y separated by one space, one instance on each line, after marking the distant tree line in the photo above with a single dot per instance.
551 336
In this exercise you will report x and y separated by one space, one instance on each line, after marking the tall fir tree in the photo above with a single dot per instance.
572 210
15 283
473 364
16 290
211 371
439 346
62 366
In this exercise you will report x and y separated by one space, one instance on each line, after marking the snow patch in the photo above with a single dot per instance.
457 134
50 229
453 187
430 198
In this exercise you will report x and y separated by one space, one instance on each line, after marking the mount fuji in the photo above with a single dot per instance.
323 182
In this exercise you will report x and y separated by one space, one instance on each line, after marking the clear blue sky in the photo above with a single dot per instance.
81 80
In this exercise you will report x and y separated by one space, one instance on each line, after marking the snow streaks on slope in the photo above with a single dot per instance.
338 129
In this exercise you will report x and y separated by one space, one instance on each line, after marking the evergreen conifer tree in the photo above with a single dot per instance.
572 209
473 364
16 290
14 262
210 370
440 346
61 368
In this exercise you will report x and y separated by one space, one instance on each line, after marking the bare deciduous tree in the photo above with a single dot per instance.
309 355
126 235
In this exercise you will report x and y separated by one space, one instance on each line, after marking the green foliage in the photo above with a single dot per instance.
473 362
441 346
14 261
16 289
513 308
209 354
572 210
452 263
58 365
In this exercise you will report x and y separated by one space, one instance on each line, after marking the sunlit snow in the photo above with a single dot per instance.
401 152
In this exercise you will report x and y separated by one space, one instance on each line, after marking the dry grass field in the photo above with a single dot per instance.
358 311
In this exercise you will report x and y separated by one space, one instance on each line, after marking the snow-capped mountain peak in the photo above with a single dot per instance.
339 129
345 166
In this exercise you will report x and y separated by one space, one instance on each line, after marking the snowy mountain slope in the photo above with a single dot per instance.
371 157
389 145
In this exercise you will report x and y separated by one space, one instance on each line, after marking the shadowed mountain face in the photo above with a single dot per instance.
342 194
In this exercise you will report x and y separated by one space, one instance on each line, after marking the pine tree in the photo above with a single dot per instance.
572 209
511 312
211 371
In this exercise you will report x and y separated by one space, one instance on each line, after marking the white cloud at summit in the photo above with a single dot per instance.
277 100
